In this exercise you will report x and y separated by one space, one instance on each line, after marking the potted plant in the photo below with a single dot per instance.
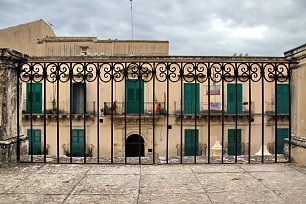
105 110
163 111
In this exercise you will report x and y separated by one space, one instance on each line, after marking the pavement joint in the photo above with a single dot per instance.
139 183
21 180
205 191
69 194
262 183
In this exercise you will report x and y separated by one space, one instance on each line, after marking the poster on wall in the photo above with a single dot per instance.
214 90
215 105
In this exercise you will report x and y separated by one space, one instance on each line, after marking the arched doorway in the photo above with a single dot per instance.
134 146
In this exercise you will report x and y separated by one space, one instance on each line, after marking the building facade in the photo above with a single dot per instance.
298 57
114 100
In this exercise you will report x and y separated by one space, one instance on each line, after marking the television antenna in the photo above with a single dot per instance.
132 28
132 21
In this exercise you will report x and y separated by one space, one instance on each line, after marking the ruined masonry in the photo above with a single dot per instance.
9 60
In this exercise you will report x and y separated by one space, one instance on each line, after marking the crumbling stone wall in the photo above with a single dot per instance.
9 60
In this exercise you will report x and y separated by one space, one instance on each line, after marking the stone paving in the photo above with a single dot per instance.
201 183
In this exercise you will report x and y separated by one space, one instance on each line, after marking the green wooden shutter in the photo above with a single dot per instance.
231 98
189 142
189 98
36 98
35 140
134 96
77 142
282 133
282 98
232 141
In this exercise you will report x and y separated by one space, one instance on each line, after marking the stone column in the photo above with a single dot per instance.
9 65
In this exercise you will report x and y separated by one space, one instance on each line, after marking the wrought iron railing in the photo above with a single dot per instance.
161 79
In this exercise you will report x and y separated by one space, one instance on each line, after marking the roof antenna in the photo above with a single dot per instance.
132 23
132 26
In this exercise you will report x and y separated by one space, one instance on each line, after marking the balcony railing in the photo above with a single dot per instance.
63 108
215 109
282 110
134 108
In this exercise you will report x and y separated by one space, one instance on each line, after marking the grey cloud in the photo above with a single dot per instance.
197 27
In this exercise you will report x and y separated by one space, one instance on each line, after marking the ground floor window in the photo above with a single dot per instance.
191 143
34 139
77 142
234 136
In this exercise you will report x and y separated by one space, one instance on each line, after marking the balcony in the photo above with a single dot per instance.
145 109
64 110
215 111
282 111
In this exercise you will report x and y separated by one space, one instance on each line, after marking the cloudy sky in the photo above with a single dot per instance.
193 27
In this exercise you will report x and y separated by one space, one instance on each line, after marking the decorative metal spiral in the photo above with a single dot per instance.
199 72
91 72
269 70
118 72
174 72
161 71
105 72
255 72
202 71
282 72
189 72
146 71
51 72
229 72
243 72
216 72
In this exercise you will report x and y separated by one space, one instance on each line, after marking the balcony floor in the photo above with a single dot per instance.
202 183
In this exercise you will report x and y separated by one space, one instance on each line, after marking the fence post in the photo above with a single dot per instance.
10 61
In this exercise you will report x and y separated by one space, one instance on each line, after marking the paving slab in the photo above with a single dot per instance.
115 169
107 199
174 198
299 168
31 199
11 176
216 168
218 182
170 184
108 184
20 169
264 196
9 181
166 169
46 184
187 183
266 167
64 169
285 180
293 196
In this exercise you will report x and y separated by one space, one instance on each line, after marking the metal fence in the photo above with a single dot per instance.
155 111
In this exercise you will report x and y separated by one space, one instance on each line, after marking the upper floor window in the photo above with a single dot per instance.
84 50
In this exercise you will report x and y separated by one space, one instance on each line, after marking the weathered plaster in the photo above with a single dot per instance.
9 60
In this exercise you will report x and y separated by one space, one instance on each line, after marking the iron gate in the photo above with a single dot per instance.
168 109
